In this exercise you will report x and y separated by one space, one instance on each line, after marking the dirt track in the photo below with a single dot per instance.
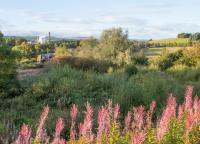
30 72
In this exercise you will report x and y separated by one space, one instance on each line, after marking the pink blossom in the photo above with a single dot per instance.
188 98
168 113
59 141
102 115
24 135
150 114
40 129
85 129
138 122
139 138
73 114
190 119
127 121
59 127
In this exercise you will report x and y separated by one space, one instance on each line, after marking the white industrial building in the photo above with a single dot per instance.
43 39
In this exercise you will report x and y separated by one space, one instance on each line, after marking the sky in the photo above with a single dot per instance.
144 19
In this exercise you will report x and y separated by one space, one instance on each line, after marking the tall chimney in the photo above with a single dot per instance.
49 37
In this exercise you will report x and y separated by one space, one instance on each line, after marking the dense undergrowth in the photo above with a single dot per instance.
172 126
62 86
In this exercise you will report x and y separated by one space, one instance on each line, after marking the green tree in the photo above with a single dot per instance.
87 48
195 37
114 46
7 70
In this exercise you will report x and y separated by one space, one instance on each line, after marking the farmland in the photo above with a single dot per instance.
171 40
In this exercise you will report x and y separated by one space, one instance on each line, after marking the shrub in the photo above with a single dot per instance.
131 70
86 63
167 60
140 59
62 52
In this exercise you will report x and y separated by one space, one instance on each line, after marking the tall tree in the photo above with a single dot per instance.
7 68
114 46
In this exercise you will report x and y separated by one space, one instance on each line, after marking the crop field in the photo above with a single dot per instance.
171 40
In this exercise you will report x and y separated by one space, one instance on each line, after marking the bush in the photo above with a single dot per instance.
62 52
167 60
86 64
140 59
131 70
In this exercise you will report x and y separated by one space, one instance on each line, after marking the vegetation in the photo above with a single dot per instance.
94 70
8 83
138 127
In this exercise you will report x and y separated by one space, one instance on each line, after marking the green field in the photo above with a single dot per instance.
154 52
170 40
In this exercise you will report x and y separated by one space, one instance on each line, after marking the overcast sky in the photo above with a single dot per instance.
143 19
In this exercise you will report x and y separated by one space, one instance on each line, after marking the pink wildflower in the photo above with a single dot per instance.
59 128
138 122
127 121
40 129
139 138
24 135
168 113
85 128
59 141
102 115
150 114
188 98
73 114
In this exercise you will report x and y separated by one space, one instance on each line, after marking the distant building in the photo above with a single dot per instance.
43 39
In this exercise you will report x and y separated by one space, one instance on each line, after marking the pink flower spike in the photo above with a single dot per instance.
168 113
139 138
24 135
59 127
188 98
150 114
85 128
127 121
102 115
138 122
43 118
116 112
73 112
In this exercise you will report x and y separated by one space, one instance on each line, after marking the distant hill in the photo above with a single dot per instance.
35 38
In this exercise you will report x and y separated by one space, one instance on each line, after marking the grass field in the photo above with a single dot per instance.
170 40
154 52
